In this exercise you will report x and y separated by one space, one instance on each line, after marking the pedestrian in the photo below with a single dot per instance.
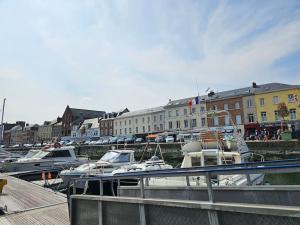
278 133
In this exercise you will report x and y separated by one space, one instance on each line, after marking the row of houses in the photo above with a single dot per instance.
250 108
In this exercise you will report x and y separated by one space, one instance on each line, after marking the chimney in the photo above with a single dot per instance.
254 85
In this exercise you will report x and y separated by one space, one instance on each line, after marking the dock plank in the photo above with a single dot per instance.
30 204
19 195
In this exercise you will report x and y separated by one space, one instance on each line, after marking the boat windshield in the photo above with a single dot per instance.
40 154
31 153
114 157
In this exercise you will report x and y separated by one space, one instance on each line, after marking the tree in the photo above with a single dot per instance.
283 112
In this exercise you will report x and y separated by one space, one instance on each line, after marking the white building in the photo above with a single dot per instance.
140 122
180 117
88 130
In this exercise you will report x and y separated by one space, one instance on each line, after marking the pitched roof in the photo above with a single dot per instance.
263 88
142 112
86 113
94 123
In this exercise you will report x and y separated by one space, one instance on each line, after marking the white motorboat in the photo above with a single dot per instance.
53 158
154 163
109 162
214 148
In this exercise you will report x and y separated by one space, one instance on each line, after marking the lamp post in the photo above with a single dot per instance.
2 125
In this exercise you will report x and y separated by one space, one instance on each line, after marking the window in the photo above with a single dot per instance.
262 101
250 118
238 119
125 122
275 100
136 130
129 121
161 126
160 117
186 123
263 116
148 119
227 122
193 110
120 123
170 124
215 107
249 103
177 112
59 153
154 118
125 130
185 112
116 132
143 120
116 124
202 109
129 130
276 115
225 106
194 122
237 105
169 113
291 98
144 129
203 122
216 121
293 114
149 128
178 124
136 121
155 127
120 131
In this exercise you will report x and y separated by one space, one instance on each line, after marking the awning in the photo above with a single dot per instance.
152 136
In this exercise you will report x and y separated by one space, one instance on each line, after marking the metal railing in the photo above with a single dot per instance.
279 166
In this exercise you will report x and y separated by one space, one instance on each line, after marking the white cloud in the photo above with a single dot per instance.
109 55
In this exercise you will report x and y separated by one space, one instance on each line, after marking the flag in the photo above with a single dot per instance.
190 103
196 101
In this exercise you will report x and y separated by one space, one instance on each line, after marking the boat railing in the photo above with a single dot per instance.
278 166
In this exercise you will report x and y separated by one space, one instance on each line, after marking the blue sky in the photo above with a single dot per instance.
108 55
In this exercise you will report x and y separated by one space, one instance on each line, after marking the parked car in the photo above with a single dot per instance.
2 146
105 141
139 140
113 140
159 139
28 145
92 143
121 140
99 142
129 140
70 143
169 139
15 146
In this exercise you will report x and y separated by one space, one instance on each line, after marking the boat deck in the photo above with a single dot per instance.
27 203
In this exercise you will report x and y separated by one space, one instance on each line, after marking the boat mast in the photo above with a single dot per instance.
2 125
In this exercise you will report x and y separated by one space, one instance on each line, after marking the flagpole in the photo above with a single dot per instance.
2 125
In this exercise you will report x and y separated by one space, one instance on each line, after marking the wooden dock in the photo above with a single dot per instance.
30 204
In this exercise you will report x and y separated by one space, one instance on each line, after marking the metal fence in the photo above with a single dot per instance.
111 212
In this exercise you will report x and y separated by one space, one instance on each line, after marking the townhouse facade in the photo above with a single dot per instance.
140 122
267 100
50 130
185 114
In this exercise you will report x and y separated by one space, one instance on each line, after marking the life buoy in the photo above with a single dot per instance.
56 145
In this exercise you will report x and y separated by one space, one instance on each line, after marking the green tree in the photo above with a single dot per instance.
283 112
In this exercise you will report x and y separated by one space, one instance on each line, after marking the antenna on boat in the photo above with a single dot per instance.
2 125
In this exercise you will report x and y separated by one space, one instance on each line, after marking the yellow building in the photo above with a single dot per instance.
266 101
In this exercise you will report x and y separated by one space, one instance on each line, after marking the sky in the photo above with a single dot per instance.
108 54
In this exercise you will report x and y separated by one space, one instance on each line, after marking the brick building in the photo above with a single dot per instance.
72 115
